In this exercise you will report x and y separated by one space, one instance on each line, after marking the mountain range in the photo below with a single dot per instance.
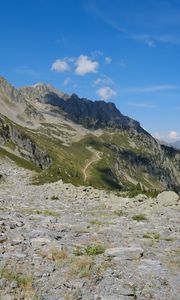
80 141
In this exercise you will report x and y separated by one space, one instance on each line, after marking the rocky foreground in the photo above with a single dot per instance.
58 242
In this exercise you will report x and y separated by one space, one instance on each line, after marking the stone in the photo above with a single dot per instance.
3 239
167 198
127 253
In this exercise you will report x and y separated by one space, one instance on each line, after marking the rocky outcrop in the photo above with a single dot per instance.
10 93
90 114
26 147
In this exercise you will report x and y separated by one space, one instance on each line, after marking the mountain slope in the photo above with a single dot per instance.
61 135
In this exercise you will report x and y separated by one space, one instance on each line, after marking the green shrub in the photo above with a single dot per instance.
54 197
95 250
140 217
151 235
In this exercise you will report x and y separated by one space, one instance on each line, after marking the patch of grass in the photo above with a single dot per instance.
80 267
168 239
23 281
134 193
156 236
89 250
59 255
152 193
96 222
94 250
139 218
45 212
54 197
21 162
177 250
120 213
55 254
151 235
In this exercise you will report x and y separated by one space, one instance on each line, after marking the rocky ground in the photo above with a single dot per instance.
58 242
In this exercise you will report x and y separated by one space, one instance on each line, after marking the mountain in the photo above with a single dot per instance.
176 145
97 114
81 141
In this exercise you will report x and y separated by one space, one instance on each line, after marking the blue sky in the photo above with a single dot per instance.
127 52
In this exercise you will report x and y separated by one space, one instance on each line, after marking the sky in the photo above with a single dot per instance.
122 51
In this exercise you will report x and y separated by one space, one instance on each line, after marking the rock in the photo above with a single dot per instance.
49 253
125 252
3 239
39 242
167 198
141 197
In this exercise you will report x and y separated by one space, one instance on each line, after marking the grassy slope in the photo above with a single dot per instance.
69 161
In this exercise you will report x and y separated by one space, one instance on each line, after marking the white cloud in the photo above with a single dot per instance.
108 59
173 135
60 65
85 65
167 136
103 80
106 93
159 136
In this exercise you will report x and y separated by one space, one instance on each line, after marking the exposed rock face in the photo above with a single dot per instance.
27 148
9 93
97 114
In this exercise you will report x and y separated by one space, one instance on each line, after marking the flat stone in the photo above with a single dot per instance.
36 242
125 252
167 198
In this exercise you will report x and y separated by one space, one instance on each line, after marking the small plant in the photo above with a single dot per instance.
55 254
139 218
134 292
81 267
54 197
96 222
46 212
120 213
58 255
22 281
169 239
155 236
94 250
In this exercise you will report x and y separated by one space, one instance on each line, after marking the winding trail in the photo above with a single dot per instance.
96 156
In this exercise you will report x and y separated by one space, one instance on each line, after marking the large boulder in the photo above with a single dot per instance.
167 198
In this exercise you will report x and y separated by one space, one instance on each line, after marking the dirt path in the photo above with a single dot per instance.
96 155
